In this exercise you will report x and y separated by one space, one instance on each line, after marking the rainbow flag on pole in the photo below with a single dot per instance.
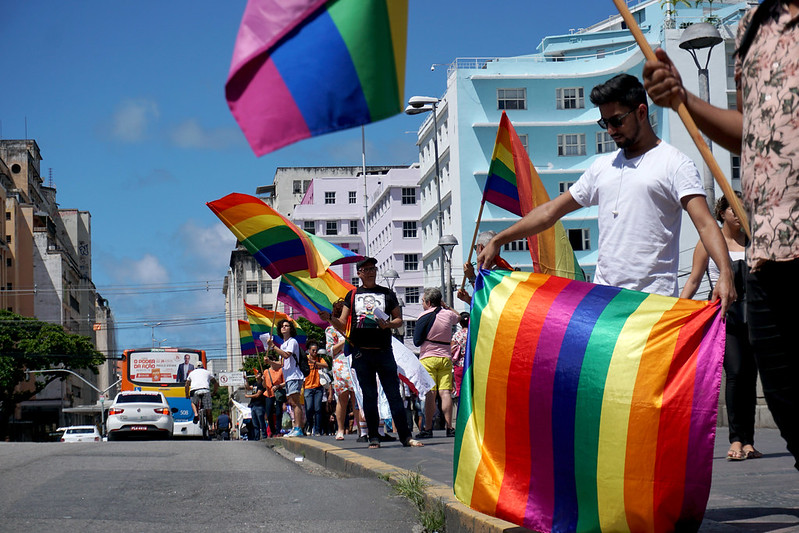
262 321
309 295
302 68
245 336
273 240
586 407
514 185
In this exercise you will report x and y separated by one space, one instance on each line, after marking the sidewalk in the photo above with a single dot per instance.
756 495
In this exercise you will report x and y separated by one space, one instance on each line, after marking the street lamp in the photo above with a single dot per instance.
152 327
699 37
447 243
424 104
391 277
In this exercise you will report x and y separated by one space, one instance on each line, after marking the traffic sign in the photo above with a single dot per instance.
232 379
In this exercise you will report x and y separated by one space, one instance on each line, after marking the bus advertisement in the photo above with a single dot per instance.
165 370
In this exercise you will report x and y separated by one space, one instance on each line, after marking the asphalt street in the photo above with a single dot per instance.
191 486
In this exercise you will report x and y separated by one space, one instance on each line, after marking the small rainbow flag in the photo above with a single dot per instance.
262 321
273 240
586 407
309 295
302 68
245 336
514 185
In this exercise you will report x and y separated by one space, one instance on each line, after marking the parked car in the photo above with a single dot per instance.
81 434
139 414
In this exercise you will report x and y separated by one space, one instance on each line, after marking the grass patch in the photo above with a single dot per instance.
384 477
411 486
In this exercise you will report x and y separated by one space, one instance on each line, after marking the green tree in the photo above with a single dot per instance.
30 344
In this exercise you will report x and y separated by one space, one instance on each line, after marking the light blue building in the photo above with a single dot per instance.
546 96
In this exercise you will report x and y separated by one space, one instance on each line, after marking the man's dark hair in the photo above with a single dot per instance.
311 343
623 89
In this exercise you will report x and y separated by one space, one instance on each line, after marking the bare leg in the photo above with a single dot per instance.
430 409
341 410
446 406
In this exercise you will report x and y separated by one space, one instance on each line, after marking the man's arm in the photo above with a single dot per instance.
186 387
716 247
395 322
339 323
664 85
542 217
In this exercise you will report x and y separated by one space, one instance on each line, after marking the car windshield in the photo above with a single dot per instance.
75 431
139 398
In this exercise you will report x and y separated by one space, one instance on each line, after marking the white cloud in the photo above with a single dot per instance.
147 270
132 118
206 250
191 134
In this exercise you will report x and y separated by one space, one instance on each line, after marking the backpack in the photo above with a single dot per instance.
303 364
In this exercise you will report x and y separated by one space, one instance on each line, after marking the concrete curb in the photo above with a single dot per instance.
459 517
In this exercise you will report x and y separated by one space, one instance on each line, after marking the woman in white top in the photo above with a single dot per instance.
289 351
739 362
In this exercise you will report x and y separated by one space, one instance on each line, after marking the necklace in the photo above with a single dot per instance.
615 210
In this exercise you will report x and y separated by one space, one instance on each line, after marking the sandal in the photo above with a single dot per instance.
374 444
412 443
340 435
753 454
736 455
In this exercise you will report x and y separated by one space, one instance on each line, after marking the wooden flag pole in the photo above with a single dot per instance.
474 239
689 123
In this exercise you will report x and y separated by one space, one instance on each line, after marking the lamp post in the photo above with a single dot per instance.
424 104
391 277
152 327
447 243
699 37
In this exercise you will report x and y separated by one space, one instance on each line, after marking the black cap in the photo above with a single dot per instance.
364 262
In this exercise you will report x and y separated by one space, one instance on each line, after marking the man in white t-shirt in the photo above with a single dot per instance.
640 190
198 388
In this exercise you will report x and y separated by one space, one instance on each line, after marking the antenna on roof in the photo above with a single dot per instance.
50 179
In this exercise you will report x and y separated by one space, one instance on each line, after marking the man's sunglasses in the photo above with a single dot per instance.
368 269
616 121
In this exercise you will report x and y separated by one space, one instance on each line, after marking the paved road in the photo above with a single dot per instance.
148 486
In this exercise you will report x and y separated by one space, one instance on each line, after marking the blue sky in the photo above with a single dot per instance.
126 101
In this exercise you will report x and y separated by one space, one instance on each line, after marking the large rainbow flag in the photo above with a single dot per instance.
245 337
303 68
514 185
309 295
264 321
586 407
274 241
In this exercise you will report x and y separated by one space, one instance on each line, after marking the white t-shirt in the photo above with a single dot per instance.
200 379
639 216
291 369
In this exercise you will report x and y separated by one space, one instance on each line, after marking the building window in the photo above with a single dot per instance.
564 186
309 226
8 262
8 239
735 167
516 246
580 239
600 53
410 325
330 197
266 286
511 98
352 197
8 215
408 196
268 307
252 287
355 280
411 262
604 143
525 139
296 186
571 144
9 287
412 295
353 227
570 97
409 230
331 227
653 121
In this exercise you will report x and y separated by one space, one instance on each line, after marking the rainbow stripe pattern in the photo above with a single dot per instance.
309 295
514 185
302 68
264 321
245 336
274 241
586 407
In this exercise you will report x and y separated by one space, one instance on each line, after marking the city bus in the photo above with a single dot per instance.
164 370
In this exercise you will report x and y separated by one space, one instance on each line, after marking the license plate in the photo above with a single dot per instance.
138 428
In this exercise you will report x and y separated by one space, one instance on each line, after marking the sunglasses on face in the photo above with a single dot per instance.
368 269
616 121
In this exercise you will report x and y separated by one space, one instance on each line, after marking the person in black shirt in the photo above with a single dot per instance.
373 311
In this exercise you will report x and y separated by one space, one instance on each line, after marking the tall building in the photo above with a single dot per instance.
545 94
